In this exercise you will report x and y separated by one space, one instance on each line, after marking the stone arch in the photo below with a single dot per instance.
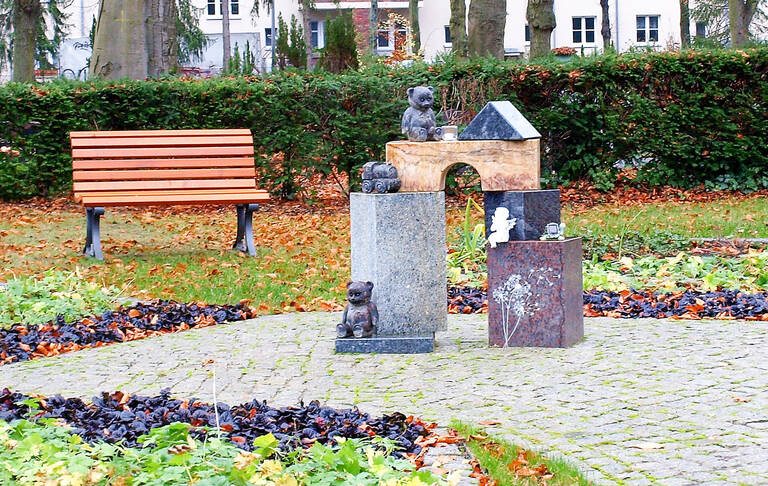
503 165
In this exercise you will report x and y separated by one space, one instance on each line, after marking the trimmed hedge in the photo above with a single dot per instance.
682 118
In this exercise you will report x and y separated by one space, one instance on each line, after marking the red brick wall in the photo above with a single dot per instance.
362 25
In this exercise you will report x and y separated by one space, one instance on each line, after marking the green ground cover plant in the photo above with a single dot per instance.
748 273
31 453
682 118
39 300
510 465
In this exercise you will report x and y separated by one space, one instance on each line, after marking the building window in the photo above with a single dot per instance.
268 37
382 39
400 37
647 28
447 30
393 37
527 33
583 30
701 29
316 34
214 7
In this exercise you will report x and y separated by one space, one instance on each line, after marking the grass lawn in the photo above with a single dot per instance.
509 464
303 257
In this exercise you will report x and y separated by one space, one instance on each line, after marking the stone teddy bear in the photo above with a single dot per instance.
419 123
360 316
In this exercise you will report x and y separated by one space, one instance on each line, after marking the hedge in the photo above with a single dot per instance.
681 118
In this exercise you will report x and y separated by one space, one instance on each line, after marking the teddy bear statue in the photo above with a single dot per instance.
360 316
419 123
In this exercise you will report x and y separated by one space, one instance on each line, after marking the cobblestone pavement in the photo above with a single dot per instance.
638 402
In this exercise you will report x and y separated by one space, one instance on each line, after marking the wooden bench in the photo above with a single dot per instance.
165 167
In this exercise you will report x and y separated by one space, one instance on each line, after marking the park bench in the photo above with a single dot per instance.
162 168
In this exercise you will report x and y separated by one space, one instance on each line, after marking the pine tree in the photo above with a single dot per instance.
340 52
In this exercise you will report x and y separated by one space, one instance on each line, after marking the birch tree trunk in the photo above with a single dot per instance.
458 28
685 24
413 18
134 39
486 28
605 27
225 37
26 18
541 20
740 13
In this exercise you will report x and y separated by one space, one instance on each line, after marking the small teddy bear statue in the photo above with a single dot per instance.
419 123
360 316
501 223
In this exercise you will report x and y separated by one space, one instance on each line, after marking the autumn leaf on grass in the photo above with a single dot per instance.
490 422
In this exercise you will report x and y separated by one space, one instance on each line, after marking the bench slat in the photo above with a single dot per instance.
143 152
167 184
166 199
110 194
145 175
115 142
158 133
162 163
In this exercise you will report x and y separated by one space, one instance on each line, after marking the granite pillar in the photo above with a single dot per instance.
533 210
535 293
398 243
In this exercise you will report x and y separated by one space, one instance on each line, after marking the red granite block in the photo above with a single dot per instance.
535 293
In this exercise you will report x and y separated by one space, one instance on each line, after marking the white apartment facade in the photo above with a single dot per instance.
643 24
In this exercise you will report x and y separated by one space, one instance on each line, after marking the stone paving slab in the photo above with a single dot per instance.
637 402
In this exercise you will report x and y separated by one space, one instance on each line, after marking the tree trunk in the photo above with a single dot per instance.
120 42
486 28
162 37
740 13
26 17
225 37
541 20
605 28
685 24
373 25
306 5
458 28
134 39
413 18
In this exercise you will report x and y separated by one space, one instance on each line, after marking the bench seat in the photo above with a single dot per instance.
165 167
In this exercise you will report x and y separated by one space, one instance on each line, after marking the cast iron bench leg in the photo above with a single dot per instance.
92 233
244 240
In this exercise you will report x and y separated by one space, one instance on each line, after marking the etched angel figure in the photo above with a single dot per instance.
501 224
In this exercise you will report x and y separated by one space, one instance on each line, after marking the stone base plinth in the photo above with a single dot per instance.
398 243
533 210
535 293
387 345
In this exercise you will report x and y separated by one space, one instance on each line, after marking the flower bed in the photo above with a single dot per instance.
124 439
120 417
22 342
689 304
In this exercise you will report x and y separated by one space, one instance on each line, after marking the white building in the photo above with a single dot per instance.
645 24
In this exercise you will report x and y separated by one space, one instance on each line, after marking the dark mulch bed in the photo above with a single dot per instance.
726 304
138 321
120 417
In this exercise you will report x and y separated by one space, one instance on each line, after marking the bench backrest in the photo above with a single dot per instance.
162 160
